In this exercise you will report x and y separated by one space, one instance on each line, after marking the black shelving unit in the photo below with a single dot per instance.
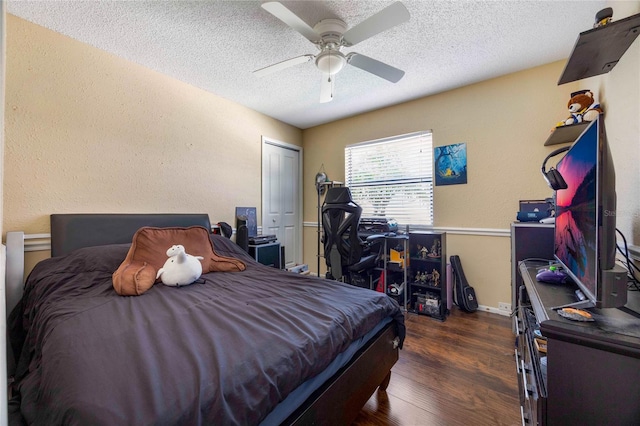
396 273
428 274
596 52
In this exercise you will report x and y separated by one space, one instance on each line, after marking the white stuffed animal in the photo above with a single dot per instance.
181 268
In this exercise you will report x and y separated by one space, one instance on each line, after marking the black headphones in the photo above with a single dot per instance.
553 177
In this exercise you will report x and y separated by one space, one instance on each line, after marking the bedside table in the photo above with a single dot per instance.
267 254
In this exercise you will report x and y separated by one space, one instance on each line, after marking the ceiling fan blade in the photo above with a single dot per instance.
291 19
388 17
327 88
282 65
376 67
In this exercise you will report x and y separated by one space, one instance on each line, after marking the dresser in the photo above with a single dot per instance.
590 372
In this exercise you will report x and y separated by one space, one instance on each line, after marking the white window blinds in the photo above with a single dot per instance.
393 178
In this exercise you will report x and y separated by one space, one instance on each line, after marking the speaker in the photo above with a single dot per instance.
281 257
553 177
242 233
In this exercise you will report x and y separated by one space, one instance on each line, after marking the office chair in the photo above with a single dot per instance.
349 258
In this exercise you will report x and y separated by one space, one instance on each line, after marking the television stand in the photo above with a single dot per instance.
590 373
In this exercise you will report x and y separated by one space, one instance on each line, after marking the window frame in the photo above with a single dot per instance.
417 185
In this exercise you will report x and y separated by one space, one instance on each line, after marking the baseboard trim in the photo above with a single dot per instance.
493 310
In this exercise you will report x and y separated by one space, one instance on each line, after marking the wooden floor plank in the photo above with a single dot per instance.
457 372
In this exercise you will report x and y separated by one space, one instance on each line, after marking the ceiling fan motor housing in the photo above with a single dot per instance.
330 60
330 36
331 30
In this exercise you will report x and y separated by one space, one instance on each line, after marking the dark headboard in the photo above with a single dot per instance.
73 231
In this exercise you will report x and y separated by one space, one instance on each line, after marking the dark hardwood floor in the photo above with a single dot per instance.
457 372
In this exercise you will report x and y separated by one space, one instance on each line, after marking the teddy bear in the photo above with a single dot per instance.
582 107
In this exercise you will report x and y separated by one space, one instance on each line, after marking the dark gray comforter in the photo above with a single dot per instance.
225 350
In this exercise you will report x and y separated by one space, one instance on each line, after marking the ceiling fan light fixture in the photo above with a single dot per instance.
330 61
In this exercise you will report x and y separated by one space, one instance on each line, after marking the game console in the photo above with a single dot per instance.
262 239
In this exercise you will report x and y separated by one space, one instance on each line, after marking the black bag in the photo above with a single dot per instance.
225 229
465 295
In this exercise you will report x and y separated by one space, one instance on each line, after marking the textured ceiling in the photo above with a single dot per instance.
215 45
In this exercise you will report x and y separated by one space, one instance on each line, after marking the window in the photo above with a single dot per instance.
393 178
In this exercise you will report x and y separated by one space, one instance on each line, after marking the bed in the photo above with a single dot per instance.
261 346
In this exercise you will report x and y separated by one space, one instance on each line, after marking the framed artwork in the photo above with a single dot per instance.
450 164
252 220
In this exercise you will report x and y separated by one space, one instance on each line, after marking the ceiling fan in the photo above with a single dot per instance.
330 36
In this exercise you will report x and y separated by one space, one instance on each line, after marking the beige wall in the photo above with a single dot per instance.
504 122
89 132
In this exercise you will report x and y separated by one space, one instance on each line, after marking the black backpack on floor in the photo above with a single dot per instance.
465 295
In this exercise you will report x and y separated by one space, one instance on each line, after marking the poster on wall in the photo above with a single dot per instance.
252 220
450 164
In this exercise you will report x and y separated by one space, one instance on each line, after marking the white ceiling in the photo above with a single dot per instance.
215 45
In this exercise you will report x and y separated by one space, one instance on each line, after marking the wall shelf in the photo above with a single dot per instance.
566 134
598 50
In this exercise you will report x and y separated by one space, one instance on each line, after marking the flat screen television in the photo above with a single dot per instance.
585 224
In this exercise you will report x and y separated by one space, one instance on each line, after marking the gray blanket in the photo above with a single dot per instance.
225 350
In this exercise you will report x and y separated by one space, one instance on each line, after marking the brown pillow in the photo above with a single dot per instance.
148 253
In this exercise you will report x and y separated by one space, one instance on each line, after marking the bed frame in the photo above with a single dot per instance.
338 401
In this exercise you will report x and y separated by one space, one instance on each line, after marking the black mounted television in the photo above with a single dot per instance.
585 224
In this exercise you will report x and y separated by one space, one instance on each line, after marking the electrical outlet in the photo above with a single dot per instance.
503 306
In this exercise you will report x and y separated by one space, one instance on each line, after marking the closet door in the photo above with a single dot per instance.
282 197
